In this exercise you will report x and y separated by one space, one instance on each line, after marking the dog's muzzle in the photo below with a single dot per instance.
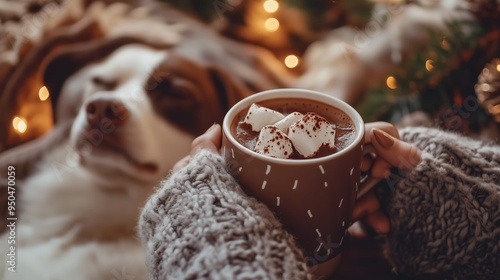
105 112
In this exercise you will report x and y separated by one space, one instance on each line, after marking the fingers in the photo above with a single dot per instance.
210 140
395 152
181 163
367 209
384 126
378 221
366 162
381 169
358 230
367 204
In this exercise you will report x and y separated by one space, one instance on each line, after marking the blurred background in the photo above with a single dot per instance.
414 62
424 62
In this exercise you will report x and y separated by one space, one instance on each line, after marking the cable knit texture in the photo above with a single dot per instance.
200 225
444 215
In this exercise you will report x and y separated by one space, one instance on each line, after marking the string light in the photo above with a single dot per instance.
291 61
271 6
391 82
429 65
43 93
485 87
19 124
444 44
494 109
272 24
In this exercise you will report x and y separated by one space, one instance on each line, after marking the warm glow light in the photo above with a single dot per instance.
498 67
445 45
391 82
291 61
16 121
429 65
43 93
495 109
272 24
271 6
485 87
19 124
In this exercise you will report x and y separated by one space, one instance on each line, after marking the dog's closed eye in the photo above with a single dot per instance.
168 86
176 98
104 84
158 82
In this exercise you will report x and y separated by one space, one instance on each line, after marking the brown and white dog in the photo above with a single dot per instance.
129 114
140 110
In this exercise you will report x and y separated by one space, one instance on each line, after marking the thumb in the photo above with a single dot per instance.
210 140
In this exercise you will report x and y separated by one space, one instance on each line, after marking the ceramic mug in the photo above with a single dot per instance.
313 198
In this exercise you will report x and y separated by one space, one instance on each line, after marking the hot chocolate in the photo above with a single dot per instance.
296 119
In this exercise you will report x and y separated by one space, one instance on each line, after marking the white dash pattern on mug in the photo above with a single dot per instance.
319 247
309 213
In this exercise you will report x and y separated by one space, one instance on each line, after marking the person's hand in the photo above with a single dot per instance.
210 140
391 152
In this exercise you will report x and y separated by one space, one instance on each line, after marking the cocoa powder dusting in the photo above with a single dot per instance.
341 123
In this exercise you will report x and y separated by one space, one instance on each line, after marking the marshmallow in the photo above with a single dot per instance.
285 123
259 116
310 133
273 142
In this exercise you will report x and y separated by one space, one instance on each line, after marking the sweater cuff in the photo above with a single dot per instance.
200 224
445 214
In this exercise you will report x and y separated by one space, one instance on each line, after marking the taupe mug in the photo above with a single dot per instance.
313 198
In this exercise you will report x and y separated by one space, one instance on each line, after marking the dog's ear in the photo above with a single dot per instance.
192 94
239 70
229 88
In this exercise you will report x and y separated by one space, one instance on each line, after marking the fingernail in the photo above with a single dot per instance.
384 139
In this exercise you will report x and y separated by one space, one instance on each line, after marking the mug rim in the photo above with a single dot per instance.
294 93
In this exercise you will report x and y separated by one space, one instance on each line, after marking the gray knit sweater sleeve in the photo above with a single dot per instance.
200 225
445 218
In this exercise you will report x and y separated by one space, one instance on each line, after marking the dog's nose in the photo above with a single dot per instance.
106 110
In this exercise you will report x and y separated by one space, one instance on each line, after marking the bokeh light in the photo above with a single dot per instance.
391 82
272 24
429 65
43 93
19 124
271 6
291 61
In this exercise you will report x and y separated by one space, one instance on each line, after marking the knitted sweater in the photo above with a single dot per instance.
444 217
